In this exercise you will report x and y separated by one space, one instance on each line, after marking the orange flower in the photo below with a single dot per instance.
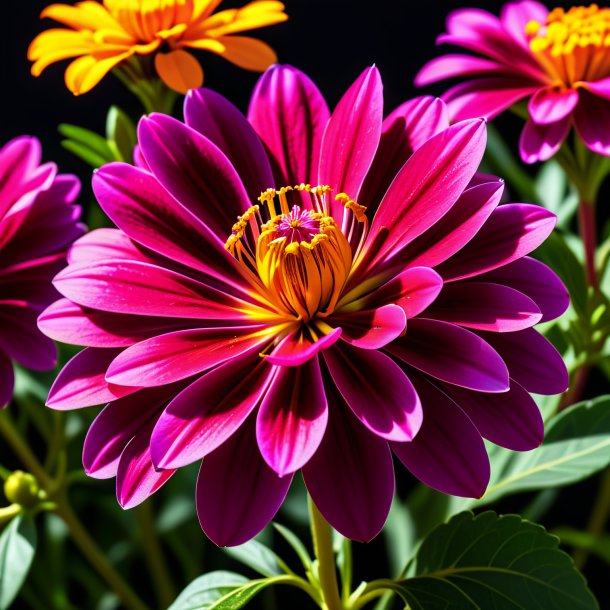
103 35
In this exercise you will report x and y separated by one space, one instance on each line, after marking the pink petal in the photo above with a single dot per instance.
208 411
102 245
600 87
541 142
351 137
297 347
221 122
550 105
456 65
81 382
7 380
351 476
178 355
516 15
137 478
485 306
532 360
292 417
592 119
512 231
237 493
289 114
539 282
377 391
451 354
511 420
372 328
194 171
448 454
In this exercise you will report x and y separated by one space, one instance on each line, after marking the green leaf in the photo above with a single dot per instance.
485 562
297 546
594 543
84 153
240 597
81 140
258 557
207 589
552 188
17 549
120 133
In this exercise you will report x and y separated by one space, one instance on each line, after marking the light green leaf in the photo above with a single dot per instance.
297 546
553 193
207 589
594 543
80 140
17 549
90 157
240 597
258 557
120 133
485 562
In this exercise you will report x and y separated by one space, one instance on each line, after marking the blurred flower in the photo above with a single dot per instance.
303 330
559 60
37 223
106 35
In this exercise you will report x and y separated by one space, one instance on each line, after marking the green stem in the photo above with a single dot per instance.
153 554
322 535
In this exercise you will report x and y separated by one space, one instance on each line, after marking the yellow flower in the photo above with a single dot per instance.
106 34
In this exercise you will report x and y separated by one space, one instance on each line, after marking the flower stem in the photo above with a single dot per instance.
587 226
322 535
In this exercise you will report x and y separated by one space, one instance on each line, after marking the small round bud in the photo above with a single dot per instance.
22 488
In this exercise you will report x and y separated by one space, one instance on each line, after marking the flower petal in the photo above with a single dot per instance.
377 390
550 105
8 380
372 328
456 65
297 347
179 70
592 119
541 142
514 16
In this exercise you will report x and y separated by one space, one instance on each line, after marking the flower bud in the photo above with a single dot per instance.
22 488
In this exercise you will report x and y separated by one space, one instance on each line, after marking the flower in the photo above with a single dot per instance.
37 223
559 60
105 35
241 315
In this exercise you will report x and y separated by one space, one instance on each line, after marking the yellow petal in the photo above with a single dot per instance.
243 51
84 15
87 71
56 39
179 70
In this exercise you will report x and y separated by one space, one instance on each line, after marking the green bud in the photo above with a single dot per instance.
22 488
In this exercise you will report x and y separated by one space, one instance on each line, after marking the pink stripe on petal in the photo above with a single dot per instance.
137 479
297 347
550 105
592 119
289 114
81 382
237 493
292 417
373 328
217 119
208 411
351 476
178 355
7 380
485 306
532 360
512 231
541 142
454 65
511 420
448 454
452 354
377 390
351 137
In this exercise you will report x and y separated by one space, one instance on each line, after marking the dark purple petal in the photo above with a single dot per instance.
592 119
7 380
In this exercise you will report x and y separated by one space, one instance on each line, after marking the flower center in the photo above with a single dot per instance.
572 45
296 249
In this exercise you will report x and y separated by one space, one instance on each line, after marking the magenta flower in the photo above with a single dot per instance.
297 329
558 60
37 223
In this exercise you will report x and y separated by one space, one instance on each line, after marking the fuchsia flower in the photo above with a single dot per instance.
298 329
37 223
559 60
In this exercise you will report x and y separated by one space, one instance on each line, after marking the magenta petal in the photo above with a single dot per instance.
297 347
541 142
454 65
372 328
292 417
592 119
289 114
7 380
217 119
485 306
178 355
539 282
448 454
208 411
352 136
532 360
512 231
351 476
511 420
516 15
81 382
237 493
550 105
194 171
377 390
600 87
137 478
451 354
104 244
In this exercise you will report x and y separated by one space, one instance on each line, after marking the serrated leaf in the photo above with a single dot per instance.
17 550
207 589
121 133
258 557
240 597
487 561
297 546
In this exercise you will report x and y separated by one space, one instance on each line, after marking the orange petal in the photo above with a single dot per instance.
252 16
243 51
87 71
179 70
84 16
